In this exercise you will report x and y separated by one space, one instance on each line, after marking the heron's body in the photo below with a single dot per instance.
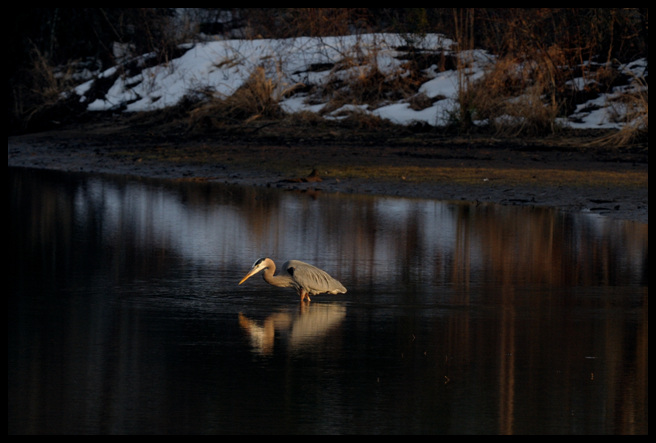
304 278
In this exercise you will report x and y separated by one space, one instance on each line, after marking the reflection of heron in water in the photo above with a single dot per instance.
297 330
306 279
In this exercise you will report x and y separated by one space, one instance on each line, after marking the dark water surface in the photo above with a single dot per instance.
125 315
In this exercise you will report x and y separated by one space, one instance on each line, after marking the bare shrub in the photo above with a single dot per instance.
38 102
292 22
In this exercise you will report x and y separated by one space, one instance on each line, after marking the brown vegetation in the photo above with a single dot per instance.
539 50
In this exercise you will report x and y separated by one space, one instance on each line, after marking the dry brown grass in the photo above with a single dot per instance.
514 98
636 117
519 95
358 80
259 97
42 89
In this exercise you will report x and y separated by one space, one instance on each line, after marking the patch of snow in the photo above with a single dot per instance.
221 67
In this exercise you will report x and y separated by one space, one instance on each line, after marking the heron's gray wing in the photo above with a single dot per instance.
312 279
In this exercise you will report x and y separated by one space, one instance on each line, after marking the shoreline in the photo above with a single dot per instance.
571 180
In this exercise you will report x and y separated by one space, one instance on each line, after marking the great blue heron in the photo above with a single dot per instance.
305 278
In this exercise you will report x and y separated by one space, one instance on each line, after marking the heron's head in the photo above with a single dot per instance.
258 266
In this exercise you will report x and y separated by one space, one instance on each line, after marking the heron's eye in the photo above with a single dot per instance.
257 262
291 271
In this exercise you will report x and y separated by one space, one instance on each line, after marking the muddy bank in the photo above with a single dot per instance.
562 172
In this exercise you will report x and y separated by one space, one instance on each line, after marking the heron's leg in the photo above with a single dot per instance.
304 295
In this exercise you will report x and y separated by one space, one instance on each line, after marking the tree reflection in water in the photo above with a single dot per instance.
459 318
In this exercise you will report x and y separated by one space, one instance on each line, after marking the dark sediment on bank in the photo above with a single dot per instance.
561 172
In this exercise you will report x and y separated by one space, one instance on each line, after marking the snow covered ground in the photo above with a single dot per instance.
223 66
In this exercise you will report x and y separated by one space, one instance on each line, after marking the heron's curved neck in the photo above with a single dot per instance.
282 281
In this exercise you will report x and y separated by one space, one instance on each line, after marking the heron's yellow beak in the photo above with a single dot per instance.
249 275
257 267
